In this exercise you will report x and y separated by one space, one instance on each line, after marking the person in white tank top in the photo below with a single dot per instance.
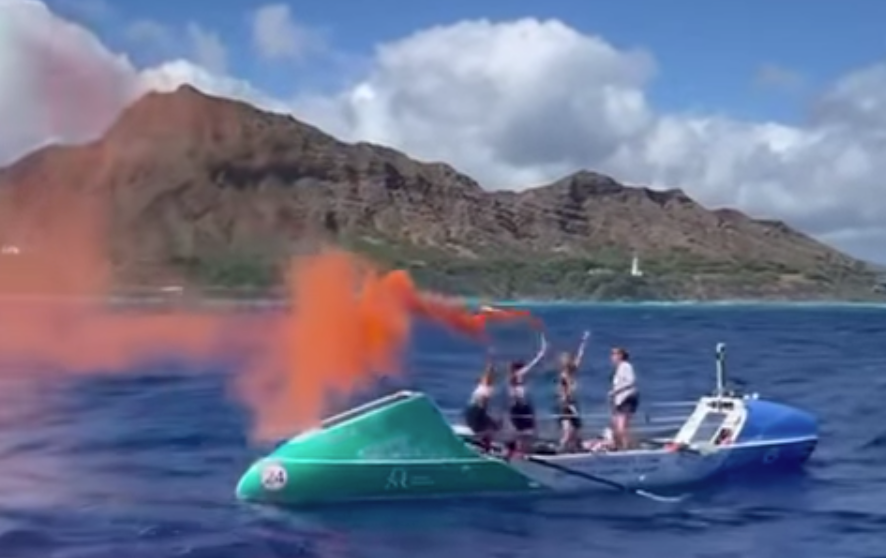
482 394
624 396
476 414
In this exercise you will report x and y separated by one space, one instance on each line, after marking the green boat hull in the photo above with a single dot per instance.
398 447
314 482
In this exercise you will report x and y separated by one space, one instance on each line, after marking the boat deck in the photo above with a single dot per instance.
651 427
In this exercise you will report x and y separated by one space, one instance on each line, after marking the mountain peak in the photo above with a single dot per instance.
183 114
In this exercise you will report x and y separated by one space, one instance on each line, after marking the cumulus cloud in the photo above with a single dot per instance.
277 35
59 83
209 51
528 101
513 104
205 47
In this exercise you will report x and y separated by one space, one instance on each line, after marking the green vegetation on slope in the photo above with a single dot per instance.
231 271
603 276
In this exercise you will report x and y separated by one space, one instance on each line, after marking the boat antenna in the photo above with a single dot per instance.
721 369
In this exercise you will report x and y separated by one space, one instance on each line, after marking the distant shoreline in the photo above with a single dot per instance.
159 300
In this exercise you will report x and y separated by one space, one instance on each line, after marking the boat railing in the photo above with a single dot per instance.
659 418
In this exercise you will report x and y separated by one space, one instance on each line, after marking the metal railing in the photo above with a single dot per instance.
653 419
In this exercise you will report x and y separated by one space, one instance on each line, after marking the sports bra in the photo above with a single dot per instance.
517 392
568 381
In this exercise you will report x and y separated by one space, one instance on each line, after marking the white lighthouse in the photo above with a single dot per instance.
635 267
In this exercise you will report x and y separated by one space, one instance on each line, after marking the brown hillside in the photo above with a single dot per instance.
185 175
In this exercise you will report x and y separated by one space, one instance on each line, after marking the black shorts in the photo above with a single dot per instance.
628 406
570 414
522 417
478 419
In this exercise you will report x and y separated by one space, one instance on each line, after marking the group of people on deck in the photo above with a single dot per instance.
623 398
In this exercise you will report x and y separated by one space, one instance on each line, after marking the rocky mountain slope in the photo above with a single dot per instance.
222 190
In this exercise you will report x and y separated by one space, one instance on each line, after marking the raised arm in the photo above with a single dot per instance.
580 353
490 359
536 359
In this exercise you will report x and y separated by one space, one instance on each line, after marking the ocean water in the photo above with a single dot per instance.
144 464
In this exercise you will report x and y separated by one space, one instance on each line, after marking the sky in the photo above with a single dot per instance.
774 108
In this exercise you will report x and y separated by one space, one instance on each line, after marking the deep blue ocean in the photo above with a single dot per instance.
145 464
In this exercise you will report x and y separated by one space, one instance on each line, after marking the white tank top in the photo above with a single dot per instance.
481 395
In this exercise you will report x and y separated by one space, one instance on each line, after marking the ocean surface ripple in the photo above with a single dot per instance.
144 464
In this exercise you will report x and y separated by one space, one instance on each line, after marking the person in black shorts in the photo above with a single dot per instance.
569 417
567 398
521 409
476 414
629 405
625 396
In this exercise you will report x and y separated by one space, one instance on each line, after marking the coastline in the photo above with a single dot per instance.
191 296
260 303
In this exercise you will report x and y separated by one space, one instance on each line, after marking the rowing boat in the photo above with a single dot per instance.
402 446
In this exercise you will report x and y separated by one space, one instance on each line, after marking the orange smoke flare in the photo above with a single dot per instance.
348 323
489 314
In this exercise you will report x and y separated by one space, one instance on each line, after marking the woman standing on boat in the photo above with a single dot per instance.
477 415
624 395
521 410
567 387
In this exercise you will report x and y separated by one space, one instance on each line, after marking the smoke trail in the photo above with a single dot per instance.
347 324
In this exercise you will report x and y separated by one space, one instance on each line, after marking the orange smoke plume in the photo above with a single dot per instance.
490 314
348 323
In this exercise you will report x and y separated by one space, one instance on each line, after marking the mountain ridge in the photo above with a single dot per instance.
188 177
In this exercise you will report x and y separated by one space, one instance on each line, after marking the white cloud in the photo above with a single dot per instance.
209 51
169 76
276 34
511 104
59 83
203 46
528 101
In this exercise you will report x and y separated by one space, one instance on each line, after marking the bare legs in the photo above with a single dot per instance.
620 423
569 439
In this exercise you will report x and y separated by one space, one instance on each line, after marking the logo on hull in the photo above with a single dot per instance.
273 477
398 479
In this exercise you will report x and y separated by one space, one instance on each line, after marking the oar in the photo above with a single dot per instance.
605 481
592 478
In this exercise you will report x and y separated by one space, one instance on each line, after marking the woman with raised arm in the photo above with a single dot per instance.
567 387
521 409
570 363
477 415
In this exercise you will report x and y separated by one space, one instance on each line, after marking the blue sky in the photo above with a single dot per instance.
709 54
